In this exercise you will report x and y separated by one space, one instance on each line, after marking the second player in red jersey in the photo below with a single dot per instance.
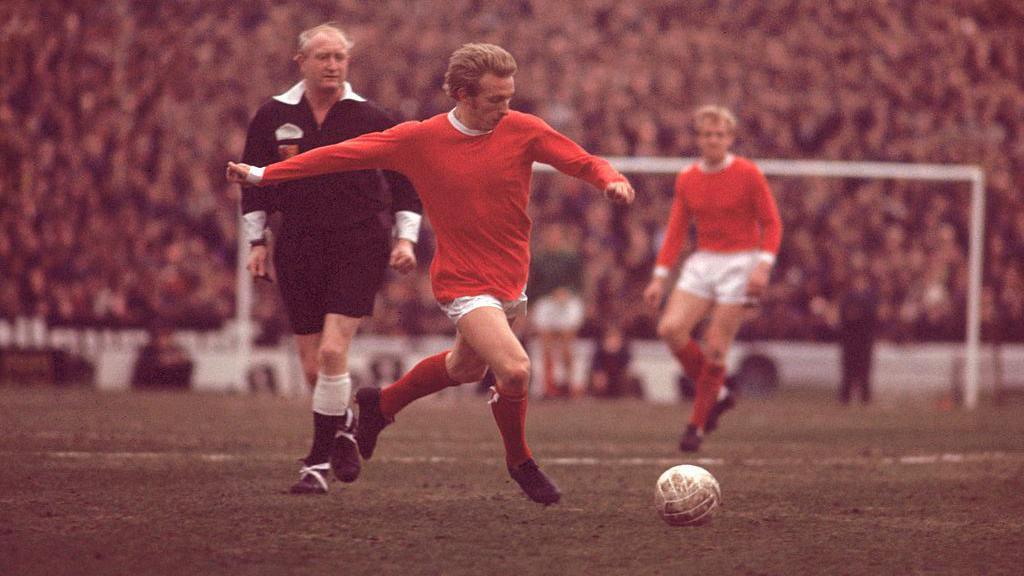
738 236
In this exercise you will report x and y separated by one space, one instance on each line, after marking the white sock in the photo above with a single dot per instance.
331 394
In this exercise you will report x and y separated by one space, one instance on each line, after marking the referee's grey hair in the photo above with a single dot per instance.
469 63
327 28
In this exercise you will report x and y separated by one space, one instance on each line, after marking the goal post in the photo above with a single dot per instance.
973 175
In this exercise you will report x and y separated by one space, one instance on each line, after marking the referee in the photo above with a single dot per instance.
332 253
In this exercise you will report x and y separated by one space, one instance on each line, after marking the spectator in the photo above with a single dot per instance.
162 363
916 82
610 376
556 274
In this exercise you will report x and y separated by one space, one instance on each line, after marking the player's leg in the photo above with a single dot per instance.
487 338
683 311
378 407
724 324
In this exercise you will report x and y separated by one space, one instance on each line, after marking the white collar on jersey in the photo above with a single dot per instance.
704 167
463 128
294 94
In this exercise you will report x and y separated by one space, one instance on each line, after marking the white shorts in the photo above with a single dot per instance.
463 305
558 312
718 276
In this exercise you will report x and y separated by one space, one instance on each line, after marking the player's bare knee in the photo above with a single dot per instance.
513 378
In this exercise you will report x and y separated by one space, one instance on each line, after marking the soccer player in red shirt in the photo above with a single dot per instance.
472 168
738 236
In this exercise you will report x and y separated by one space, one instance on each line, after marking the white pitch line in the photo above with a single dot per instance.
906 460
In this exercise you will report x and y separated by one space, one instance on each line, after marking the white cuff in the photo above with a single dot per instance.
255 175
407 225
766 257
660 272
253 224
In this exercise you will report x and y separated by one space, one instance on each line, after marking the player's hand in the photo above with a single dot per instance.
620 192
758 280
403 258
236 173
257 264
655 291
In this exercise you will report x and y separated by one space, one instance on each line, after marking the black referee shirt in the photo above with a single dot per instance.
284 126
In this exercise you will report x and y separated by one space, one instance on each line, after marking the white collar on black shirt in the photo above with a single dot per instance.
294 94
463 128
718 167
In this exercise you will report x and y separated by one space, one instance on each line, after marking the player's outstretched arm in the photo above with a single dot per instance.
620 192
238 173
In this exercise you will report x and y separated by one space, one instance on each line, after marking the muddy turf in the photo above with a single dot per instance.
176 483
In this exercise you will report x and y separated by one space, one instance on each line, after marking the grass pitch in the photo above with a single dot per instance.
167 483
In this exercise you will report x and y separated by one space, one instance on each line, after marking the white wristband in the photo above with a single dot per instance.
253 224
407 225
660 272
255 175
766 257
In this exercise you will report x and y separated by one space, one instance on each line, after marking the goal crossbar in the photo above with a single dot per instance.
880 170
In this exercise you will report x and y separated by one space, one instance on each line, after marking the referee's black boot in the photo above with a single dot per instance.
344 455
371 420
312 480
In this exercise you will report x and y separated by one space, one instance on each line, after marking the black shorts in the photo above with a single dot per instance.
338 272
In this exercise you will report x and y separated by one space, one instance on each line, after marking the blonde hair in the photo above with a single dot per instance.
327 28
468 64
716 114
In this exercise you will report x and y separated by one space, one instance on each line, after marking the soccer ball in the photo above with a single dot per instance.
687 495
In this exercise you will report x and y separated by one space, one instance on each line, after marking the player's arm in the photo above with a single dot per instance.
771 234
568 157
671 247
376 150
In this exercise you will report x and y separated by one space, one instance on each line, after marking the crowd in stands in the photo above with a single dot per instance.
116 120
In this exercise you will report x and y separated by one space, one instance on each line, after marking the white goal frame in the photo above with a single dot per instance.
879 170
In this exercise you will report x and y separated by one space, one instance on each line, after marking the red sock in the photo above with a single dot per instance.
425 378
510 415
708 385
691 358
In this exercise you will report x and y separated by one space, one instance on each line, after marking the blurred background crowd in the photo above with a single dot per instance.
117 117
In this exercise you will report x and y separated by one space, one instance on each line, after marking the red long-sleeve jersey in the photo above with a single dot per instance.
733 209
474 188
